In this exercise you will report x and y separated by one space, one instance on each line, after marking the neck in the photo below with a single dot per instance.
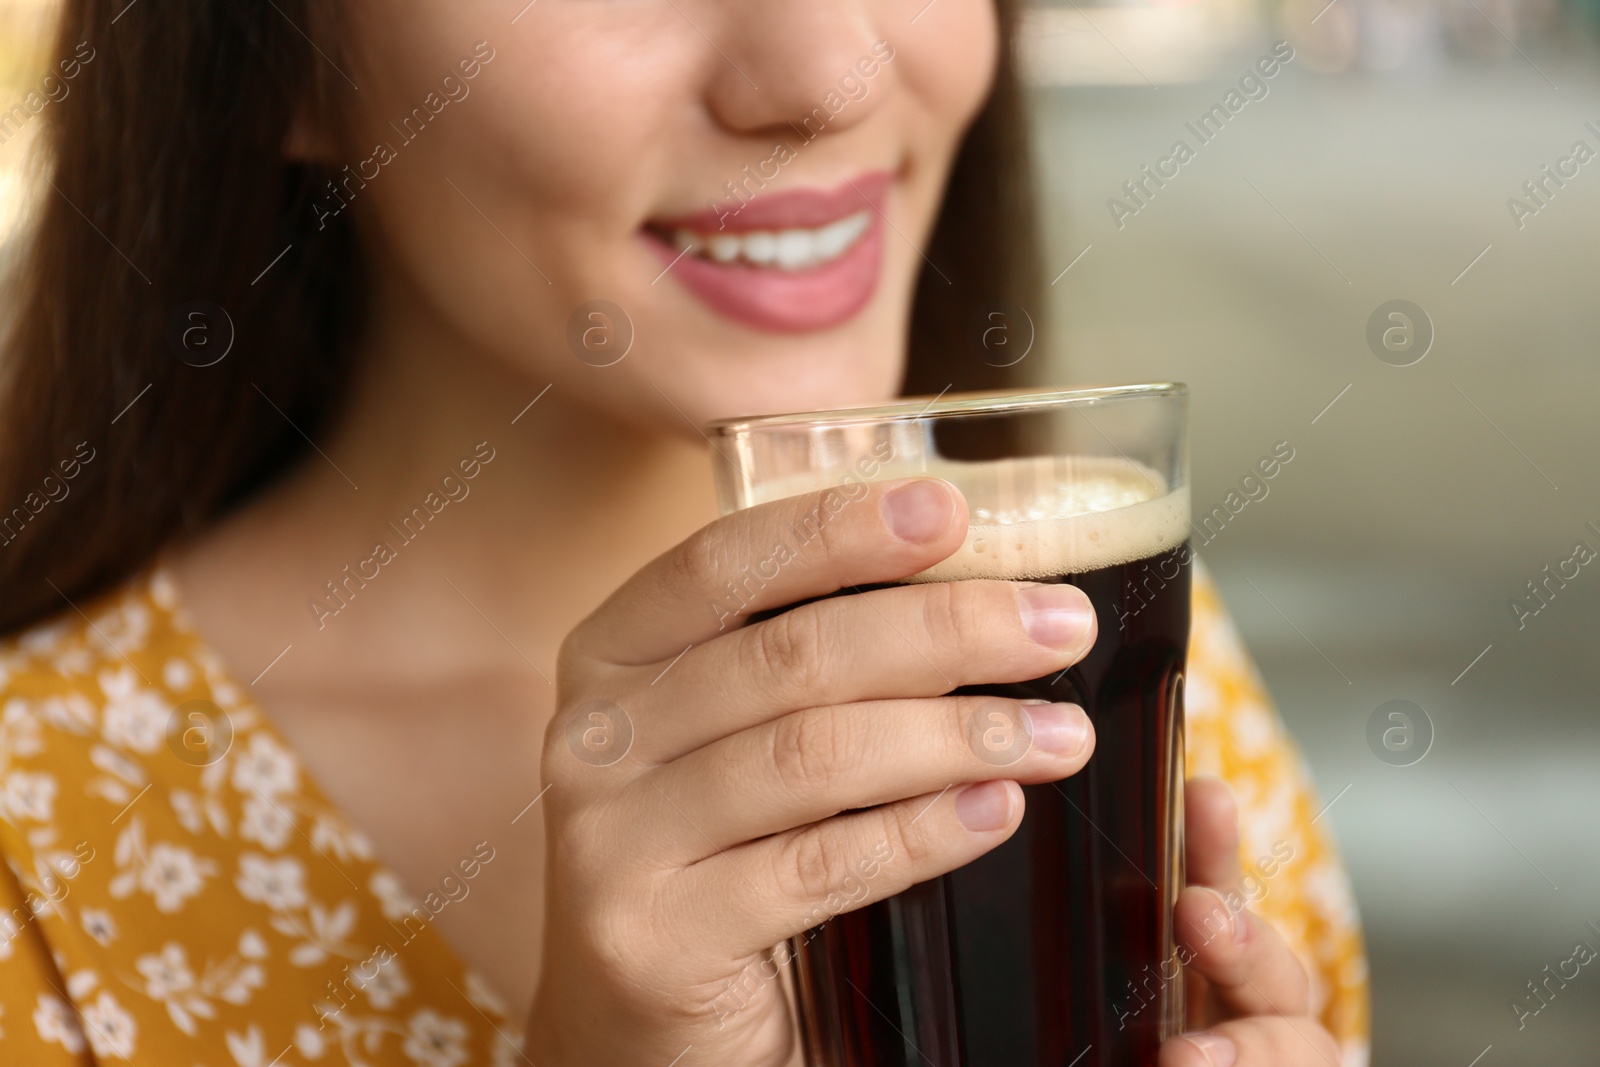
449 526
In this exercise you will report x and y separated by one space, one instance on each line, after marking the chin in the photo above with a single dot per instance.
807 377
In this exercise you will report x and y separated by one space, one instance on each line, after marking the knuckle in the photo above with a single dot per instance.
900 837
555 764
834 537
571 831
696 562
552 768
622 939
788 649
809 749
960 616
808 864
569 654
580 657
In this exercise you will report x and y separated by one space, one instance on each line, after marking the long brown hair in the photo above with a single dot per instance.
172 226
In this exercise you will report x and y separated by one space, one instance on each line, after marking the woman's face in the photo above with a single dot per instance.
510 166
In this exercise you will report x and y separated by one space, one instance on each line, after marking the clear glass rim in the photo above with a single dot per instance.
909 409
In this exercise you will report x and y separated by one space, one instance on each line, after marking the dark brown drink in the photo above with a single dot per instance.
1055 948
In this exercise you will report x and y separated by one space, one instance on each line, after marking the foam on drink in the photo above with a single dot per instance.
1047 516
1041 516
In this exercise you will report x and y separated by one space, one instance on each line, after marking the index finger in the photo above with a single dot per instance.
1211 834
770 556
1246 963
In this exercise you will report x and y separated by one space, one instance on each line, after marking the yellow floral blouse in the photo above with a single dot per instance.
176 891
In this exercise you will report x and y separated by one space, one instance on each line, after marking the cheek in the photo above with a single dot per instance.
558 129
576 124
521 202
948 63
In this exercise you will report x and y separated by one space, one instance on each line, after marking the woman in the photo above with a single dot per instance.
334 508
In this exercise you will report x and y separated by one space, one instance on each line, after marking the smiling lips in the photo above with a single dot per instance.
787 262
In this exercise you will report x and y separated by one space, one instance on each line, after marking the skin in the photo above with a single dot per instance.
432 709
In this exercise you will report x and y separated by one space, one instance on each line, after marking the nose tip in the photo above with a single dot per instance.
799 65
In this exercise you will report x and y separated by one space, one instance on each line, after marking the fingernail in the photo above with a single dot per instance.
1056 615
1219 1051
984 807
1062 729
918 511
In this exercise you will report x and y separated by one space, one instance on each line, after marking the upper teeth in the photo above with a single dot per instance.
786 249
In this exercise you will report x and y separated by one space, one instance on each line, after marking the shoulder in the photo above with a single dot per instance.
1216 651
69 651
1223 689
86 697
90 660
1234 730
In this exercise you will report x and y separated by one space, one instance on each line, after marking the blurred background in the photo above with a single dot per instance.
1383 563
1443 460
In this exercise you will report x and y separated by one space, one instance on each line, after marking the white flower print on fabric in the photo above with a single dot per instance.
396 901
135 717
264 766
47 638
110 1030
186 807
81 983
337 838
120 781
98 924
382 979
324 934
19 730
166 973
248 1049
196 811
251 945
279 884
126 624
482 997
122 778
238 976
114 763
507 1051
434 1040
171 874
57 1023
308 1041
266 823
28 796
167 978
177 675
72 714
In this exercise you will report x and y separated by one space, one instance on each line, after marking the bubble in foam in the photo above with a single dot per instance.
1106 512
1042 516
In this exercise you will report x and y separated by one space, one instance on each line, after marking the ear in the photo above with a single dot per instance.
307 139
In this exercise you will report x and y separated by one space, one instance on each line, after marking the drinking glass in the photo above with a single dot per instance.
1056 948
